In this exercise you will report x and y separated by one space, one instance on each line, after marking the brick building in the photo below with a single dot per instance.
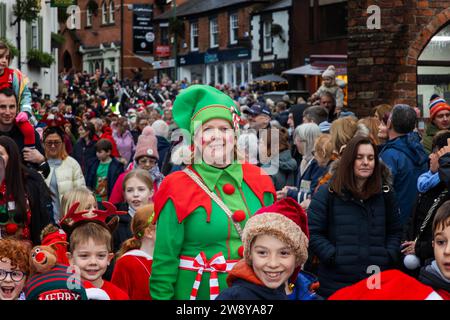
97 41
406 60
319 38
213 40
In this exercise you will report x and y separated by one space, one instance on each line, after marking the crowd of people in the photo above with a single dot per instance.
175 190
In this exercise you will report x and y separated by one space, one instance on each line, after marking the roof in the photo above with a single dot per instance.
191 7
283 4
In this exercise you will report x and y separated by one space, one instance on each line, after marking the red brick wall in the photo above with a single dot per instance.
98 33
382 64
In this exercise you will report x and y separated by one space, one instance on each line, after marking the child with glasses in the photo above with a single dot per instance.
14 268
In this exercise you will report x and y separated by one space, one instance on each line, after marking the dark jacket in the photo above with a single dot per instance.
312 176
40 204
430 276
18 138
163 148
114 170
352 236
245 285
425 201
407 160
123 231
84 153
285 173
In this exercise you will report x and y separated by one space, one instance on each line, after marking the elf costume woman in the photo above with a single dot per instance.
201 211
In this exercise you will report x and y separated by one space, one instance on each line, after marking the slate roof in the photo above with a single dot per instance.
191 7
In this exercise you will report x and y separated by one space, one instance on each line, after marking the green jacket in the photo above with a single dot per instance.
189 222
427 138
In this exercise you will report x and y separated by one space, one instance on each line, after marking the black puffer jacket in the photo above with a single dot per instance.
40 204
352 236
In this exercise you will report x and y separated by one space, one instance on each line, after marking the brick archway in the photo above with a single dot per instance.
407 80
416 48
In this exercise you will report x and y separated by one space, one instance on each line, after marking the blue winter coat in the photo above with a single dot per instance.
114 170
407 160
352 236
302 288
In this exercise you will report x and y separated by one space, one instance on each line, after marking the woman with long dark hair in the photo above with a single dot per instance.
354 220
84 149
24 197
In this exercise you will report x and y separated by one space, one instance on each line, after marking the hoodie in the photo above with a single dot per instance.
432 276
245 285
407 160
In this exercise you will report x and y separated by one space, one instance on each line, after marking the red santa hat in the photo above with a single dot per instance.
394 285
286 220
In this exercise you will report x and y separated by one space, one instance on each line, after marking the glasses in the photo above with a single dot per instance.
53 143
15 275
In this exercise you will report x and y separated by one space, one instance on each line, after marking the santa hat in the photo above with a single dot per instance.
394 285
147 144
330 72
286 220
437 105
57 239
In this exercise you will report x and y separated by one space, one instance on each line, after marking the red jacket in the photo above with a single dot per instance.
107 134
132 273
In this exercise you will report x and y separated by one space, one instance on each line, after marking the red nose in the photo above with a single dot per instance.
40 257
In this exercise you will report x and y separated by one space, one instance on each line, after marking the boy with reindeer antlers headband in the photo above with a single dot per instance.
90 245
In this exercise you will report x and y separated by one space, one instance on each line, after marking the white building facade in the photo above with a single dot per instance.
35 35
270 32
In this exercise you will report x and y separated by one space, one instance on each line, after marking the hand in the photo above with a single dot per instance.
434 163
32 155
305 203
409 247
281 194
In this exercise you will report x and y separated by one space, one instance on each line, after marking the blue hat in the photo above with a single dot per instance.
257 109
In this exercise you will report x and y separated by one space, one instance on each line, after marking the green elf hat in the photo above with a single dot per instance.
199 103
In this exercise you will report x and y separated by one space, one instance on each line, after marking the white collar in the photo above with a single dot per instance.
138 253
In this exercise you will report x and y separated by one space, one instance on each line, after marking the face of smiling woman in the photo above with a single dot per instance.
216 141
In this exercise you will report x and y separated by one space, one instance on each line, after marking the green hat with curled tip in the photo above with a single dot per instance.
198 104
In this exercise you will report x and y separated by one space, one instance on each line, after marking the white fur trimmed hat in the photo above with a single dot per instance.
285 220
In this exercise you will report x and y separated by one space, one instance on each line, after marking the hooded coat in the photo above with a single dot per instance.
407 160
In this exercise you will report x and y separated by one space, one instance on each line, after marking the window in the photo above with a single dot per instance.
88 17
164 32
2 20
333 20
34 35
111 11
234 28
267 29
214 33
104 13
194 36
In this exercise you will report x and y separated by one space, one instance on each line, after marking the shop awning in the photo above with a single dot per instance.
318 64
271 77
